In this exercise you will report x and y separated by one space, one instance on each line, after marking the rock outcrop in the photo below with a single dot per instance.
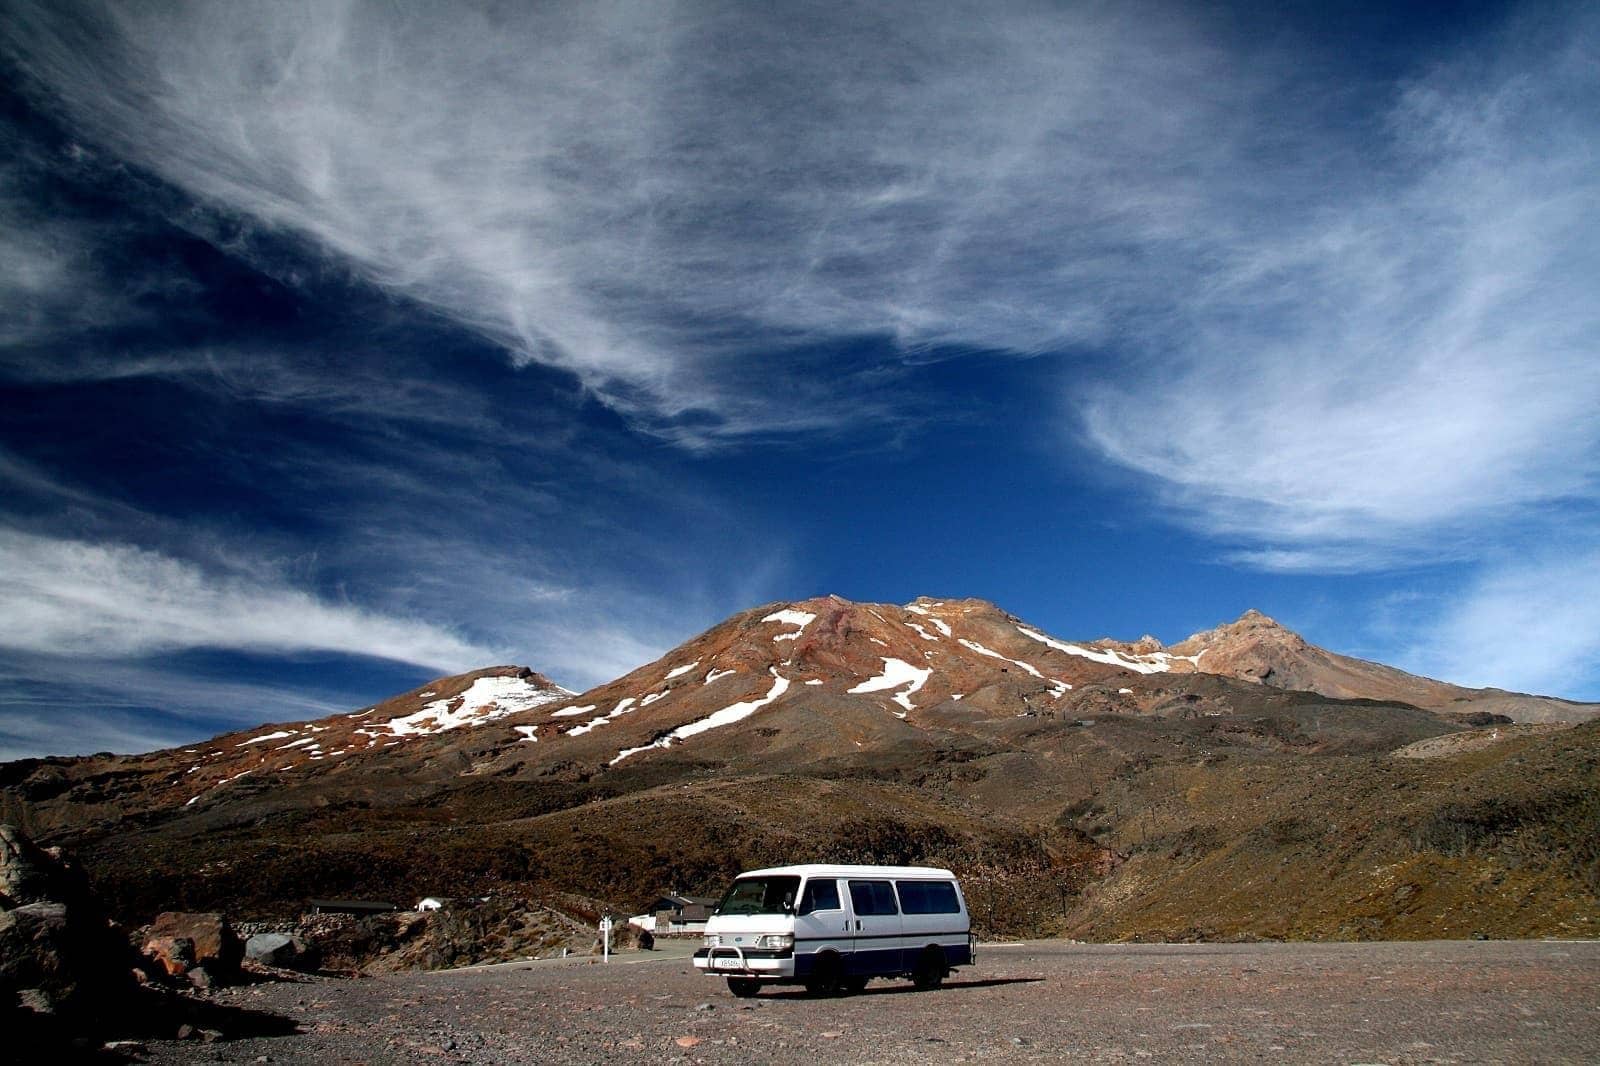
27 873
63 965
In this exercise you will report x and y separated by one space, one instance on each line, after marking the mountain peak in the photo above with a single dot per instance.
1256 618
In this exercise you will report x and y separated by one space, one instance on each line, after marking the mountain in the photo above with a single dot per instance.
1255 648
1239 783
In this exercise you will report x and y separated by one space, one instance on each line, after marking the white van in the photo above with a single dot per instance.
832 928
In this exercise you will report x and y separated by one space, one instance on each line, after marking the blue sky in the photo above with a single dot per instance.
343 345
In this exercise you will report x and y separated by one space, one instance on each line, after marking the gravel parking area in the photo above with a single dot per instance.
1042 1001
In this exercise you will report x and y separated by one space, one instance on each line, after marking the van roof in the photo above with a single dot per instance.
827 870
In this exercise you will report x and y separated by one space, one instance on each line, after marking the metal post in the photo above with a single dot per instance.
605 939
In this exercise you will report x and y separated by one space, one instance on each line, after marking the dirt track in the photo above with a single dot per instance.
1044 1001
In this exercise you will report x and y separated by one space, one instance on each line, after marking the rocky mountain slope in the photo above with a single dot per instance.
1255 648
1101 787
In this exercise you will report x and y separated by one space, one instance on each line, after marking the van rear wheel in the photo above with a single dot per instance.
930 970
744 987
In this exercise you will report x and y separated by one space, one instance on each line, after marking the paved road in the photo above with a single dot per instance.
1036 1002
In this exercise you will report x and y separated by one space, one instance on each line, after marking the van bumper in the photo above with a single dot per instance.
746 962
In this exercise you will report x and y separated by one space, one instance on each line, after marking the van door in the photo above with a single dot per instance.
876 924
821 923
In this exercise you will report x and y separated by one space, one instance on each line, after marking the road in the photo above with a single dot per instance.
1395 1003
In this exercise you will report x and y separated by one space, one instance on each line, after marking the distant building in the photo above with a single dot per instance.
350 906
674 913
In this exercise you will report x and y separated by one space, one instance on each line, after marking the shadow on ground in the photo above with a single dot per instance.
902 989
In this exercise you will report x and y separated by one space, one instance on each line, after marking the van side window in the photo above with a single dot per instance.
928 897
820 895
873 897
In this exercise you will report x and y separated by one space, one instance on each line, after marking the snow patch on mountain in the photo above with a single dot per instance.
726 716
789 616
938 623
679 671
219 784
991 653
623 707
896 673
485 700
1156 663
266 737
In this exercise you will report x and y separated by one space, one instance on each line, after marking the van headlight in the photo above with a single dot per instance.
775 940
713 940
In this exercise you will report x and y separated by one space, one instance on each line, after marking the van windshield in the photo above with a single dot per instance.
760 895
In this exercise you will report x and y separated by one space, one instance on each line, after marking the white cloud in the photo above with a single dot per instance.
1530 626
1409 368
581 184
1342 340
66 597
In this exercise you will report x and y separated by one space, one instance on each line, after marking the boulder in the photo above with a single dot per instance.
66 972
215 945
76 961
27 872
36 950
280 951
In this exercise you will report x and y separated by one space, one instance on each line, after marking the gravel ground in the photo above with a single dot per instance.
1393 1003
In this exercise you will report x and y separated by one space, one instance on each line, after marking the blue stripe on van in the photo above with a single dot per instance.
912 935
881 961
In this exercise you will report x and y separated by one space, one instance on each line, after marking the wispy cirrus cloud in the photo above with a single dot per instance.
1344 337
1413 360
66 597
1530 625
577 183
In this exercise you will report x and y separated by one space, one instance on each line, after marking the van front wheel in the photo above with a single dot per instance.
744 987
930 970
827 979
